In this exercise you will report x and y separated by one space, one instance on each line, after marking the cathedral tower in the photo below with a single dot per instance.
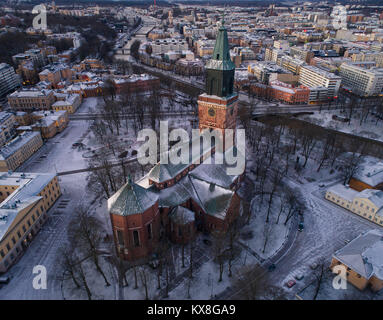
217 108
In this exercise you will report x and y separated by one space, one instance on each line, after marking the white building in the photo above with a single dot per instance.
314 77
364 82
9 80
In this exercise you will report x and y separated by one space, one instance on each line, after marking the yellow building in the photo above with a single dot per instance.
70 104
49 123
25 199
362 260
18 150
367 203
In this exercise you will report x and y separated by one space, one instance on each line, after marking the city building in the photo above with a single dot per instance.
68 103
367 203
25 200
9 79
8 124
287 93
361 81
30 100
135 83
362 259
314 77
368 176
17 151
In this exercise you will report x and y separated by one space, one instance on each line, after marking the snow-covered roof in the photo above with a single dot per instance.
15 144
370 172
344 192
131 199
181 215
29 185
375 196
364 254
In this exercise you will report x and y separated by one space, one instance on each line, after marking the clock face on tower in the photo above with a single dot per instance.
211 112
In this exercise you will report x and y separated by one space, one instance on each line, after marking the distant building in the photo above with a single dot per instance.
314 77
362 258
288 93
26 198
136 83
7 126
49 123
364 82
70 103
30 100
9 80
17 151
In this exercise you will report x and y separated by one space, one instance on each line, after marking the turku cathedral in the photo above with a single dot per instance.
178 201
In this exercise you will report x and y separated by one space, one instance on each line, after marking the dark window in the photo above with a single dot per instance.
13 240
2 254
120 237
136 238
8 247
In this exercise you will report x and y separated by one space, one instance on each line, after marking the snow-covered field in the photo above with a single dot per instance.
369 129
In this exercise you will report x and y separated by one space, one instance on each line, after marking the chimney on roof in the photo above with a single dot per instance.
212 187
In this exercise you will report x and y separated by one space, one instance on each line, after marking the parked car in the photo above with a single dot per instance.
300 226
313 266
322 185
299 276
271 267
4 280
290 283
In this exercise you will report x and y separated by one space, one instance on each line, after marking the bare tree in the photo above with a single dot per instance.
87 230
219 250
351 166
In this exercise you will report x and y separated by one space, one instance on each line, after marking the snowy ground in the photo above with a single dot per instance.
370 129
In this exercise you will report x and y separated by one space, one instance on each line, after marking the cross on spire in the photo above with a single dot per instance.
223 18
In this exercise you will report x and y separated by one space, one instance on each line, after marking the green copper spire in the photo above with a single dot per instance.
220 68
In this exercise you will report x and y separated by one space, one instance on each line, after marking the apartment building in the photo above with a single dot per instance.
291 64
376 57
161 46
301 53
35 55
361 81
362 259
262 70
18 150
25 199
28 100
7 126
314 77
288 93
9 79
